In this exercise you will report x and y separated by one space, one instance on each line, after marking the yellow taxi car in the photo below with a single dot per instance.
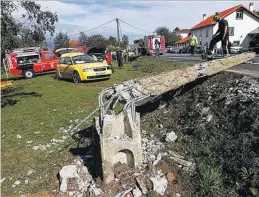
82 67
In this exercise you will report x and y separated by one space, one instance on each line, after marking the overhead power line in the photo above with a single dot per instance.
93 28
135 26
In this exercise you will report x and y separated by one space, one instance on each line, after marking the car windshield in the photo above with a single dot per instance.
82 59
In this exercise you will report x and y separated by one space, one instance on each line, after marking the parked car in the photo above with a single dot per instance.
175 50
169 49
236 48
82 67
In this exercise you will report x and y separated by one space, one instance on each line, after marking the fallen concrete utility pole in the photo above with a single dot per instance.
120 137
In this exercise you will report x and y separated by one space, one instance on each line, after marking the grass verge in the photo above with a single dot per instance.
42 106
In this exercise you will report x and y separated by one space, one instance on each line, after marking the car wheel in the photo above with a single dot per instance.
76 77
28 74
57 77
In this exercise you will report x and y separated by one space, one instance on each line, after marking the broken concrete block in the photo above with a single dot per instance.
159 183
158 159
142 185
74 178
171 137
136 192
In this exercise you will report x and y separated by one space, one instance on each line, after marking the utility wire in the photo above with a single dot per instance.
93 28
135 26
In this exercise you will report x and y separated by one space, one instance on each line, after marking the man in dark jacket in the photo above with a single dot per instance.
221 35
119 58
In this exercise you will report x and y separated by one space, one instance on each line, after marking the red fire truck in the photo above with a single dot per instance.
31 60
149 44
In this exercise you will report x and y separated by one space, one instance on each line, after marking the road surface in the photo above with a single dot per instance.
246 69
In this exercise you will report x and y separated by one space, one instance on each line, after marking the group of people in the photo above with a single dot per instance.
123 56
222 35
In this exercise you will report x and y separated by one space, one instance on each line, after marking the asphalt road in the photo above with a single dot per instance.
246 69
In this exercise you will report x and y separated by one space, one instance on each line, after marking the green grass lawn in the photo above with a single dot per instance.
44 105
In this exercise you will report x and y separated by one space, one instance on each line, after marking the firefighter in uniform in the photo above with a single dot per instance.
222 35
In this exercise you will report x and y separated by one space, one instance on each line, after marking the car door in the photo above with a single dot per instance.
67 67
63 65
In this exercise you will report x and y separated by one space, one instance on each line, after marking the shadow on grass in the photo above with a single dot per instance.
20 77
89 150
10 95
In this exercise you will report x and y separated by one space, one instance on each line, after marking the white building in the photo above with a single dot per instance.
183 32
241 21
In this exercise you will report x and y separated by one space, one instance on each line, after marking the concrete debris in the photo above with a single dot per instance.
136 192
41 147
171 137
29 142
158 159
17 182
175 154
177 195
142 185
30 172
2 180
123 194
64 137
19 137
77 180
53 141
160 126
159 183
26 182
209 118
150 150
95 191
182 162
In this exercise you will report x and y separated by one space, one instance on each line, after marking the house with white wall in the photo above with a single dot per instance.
242 22
183 33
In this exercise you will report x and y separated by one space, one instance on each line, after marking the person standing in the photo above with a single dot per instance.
157 48
119 58
222 35
193 43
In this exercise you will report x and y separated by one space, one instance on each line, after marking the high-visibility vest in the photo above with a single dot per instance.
193 40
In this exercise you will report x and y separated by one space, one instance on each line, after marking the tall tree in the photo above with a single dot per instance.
61 40
97 40
125 40
112 41
82 39
36 21
163 31
170 37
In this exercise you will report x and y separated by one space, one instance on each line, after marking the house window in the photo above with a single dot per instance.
231 31
207 32
239 15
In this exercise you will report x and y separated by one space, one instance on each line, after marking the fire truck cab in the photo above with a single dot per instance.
29 61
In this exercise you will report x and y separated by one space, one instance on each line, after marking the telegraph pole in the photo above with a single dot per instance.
118 32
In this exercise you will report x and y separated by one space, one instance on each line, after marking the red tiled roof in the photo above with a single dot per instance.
184 40
223 14
183 31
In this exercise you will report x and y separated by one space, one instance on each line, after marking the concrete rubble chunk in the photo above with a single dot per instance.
124 193
142 185
158 159
171 137
19 137
177 195
159 183
76 179
175 154
136 192
94 190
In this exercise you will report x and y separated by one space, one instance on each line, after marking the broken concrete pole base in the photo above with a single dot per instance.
120 142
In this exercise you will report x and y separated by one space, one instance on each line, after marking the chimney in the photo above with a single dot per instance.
251 7
204 17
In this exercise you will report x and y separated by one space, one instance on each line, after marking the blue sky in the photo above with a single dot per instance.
75 16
